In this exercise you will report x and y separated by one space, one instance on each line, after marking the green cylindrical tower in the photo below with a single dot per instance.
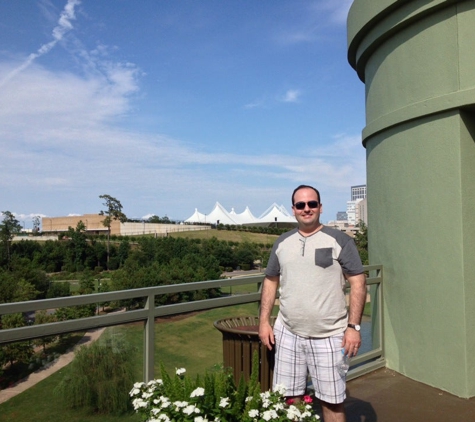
417 60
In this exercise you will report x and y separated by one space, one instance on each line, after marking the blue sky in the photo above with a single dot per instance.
174 105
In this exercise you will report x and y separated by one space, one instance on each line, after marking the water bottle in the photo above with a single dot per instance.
344 364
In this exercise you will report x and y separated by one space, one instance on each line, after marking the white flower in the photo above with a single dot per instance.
180 404
138 403
200 419
280 388
293 413
134 392
269 414
198 392
224 402
180 371
163 417
138 384
253 413
188 410
166 404
266 403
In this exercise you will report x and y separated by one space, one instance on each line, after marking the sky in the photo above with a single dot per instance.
169 106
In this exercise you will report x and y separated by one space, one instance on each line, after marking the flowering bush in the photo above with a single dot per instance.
215 398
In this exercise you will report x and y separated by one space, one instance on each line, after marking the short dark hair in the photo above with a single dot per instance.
305 187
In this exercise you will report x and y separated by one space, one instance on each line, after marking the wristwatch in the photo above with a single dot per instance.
356 327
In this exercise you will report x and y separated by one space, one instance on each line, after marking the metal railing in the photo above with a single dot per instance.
363 364
374 358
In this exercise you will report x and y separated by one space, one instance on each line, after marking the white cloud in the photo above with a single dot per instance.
64 25
318 17
57 134
291 96
48 98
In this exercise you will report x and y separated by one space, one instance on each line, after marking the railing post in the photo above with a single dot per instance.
377 312
149 340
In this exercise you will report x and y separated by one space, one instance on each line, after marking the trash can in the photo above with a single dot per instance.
240 340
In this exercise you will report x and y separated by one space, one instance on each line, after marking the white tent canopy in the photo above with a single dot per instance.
277 214
219 216
197 217
245 217
274 215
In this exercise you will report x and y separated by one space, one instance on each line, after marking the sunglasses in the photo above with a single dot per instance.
301 205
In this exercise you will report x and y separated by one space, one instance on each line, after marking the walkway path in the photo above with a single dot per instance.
43 373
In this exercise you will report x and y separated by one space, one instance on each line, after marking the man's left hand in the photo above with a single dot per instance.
351 342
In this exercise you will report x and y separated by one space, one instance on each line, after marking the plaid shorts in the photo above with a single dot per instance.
297 357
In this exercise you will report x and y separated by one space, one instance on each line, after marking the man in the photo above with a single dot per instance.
313 330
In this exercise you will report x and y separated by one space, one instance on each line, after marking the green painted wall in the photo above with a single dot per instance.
417 62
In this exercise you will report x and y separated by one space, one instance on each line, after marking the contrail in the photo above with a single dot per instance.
64 25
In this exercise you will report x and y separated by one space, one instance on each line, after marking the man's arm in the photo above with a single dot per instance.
352 338
268 295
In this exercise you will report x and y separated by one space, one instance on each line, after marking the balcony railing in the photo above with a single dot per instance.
362 364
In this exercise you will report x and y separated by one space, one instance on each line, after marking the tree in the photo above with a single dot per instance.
36 225
15 288
99 377
78 246
18 351
86 283
42 317
246 253
9 227
158 220
154 219
361 240
113 212
58 289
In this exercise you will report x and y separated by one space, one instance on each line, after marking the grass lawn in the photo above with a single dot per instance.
228 235
39 404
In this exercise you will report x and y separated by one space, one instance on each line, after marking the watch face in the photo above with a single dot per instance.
356 327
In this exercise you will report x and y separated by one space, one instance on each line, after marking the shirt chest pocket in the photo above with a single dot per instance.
324 257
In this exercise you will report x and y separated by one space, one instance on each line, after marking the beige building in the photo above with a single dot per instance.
94 225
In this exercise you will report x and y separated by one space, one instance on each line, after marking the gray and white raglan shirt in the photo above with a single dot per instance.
311 270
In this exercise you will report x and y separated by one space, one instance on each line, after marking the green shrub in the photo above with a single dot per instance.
100 377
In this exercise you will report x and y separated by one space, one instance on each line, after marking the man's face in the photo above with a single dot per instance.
307 217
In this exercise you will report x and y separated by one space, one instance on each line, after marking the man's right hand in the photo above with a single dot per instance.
266 334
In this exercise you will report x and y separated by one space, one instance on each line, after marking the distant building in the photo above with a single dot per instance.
357 210
358 192
351 212
341 216
362 211
93 225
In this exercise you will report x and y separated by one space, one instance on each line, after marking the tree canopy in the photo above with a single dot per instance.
112 212
9 227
